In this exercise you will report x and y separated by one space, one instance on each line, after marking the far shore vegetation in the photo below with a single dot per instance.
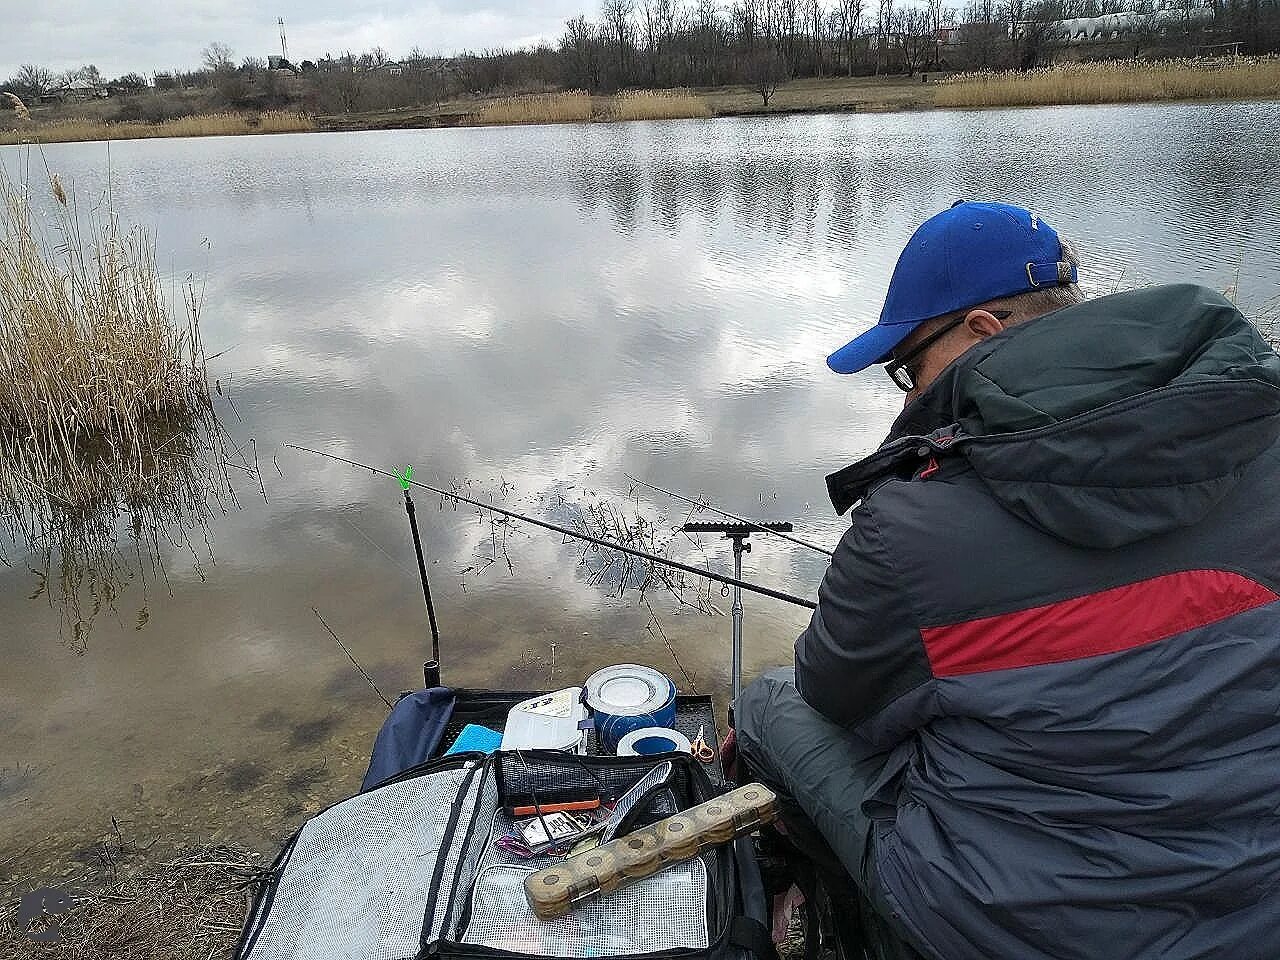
652 59
1123 81
202 125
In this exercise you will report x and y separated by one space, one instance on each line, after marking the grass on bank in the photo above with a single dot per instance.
1115 82
577 106
205 125
188 908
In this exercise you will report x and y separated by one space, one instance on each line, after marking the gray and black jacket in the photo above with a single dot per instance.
1056 611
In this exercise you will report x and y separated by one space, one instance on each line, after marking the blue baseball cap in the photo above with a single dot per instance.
962 257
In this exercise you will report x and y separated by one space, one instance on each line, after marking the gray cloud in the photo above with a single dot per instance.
163 34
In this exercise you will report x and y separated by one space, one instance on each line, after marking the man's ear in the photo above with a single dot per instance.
982 324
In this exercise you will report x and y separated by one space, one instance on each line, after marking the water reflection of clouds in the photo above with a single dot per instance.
560 306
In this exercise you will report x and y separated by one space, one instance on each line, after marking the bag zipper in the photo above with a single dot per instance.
462 853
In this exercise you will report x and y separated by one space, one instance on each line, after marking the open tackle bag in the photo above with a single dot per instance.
411 869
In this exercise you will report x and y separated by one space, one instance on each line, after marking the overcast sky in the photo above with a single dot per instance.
149 35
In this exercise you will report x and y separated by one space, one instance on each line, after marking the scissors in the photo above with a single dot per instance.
700 749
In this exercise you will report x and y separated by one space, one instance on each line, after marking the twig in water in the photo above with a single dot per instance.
258 469
338 640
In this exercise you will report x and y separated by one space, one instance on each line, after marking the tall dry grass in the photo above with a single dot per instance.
568 107
1116 82
656 105
206 125
106 419
578 106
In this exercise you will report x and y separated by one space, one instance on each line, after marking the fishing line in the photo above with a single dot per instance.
565 531
754 525
351 658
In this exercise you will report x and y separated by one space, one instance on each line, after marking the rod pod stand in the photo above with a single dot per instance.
738 533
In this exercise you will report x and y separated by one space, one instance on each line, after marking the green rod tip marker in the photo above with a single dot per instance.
405 478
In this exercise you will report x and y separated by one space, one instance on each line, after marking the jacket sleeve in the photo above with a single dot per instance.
862 649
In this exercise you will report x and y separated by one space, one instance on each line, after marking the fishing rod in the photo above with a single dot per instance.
754 525
566 531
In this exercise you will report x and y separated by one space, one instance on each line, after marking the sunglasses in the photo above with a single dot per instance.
899 370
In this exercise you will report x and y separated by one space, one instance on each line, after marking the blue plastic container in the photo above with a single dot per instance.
628 697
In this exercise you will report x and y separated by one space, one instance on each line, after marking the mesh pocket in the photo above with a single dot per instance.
664 912
357 880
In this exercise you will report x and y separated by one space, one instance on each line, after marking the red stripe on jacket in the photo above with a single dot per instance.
1109 621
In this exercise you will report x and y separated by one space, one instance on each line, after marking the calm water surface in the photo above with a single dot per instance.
551 308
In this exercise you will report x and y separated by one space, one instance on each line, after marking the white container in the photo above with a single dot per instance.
552 721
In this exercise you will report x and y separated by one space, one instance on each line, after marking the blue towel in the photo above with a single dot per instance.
476 737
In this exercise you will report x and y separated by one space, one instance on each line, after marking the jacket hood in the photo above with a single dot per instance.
1103 423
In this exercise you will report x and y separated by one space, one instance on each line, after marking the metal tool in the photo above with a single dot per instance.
629 803
738 533
700 749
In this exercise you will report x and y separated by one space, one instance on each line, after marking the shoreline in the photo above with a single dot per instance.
841 95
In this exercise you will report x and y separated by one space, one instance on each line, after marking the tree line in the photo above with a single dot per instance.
697 43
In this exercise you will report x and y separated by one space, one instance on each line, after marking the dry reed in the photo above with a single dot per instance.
656 105
205 125
105 414
189 908
1116 82
569 107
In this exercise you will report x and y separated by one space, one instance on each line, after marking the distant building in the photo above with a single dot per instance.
75 91
1167 18
392 68
280 63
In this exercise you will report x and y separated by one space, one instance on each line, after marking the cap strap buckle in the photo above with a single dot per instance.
1059 273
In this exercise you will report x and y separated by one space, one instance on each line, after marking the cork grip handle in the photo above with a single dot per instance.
553 891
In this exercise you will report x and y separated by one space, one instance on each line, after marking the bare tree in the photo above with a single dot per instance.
580 50
884 23
934 9
340 85
814 23
33 80
652 27
616 15
850 25
911 27
768 70
217 57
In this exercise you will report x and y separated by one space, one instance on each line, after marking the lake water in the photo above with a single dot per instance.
548 308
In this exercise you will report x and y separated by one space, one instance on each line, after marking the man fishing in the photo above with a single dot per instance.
1036 712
